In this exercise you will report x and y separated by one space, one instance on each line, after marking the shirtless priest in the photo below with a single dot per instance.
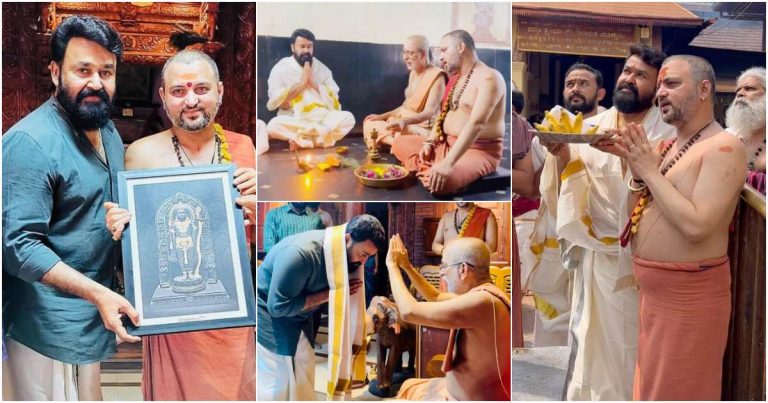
685 196
477 361
466 142
468 220
215 364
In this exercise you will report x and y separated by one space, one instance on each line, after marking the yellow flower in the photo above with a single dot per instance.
224 148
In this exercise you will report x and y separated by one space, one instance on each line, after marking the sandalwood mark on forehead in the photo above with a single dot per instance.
725 149
662 74
188 76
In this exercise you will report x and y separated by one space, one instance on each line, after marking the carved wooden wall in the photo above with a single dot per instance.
26 79
26 51
237 66
144 30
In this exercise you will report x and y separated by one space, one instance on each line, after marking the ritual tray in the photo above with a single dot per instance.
552 137
381 183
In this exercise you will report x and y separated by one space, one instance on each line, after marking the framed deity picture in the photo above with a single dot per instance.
185 254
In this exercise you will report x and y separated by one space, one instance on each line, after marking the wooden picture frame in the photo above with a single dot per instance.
185 254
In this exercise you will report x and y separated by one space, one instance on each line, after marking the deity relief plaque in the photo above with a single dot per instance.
184 252
186 263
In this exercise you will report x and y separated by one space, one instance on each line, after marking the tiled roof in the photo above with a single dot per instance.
730 34
658 14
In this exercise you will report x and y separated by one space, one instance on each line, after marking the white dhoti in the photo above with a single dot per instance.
313 118
548 280
309 131
262 138
284 377
552 287
29 375
604 332
524 227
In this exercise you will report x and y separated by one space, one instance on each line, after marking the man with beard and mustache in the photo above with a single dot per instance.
583 90
302 90
468 220
60 164
587 188
217 364
299 274
477 364
426 85
685 196
466 141
746 118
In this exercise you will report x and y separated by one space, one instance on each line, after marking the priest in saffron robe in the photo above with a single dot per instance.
477 362
426 85
465 143
217 364
468 220
684 196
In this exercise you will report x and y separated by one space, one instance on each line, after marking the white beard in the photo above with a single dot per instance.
746 119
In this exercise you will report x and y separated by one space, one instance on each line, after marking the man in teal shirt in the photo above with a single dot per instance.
60 165
292 283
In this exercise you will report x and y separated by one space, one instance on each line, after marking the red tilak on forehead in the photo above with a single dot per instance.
189 84
662 75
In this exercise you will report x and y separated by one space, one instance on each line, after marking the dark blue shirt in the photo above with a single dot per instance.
292 270
54 185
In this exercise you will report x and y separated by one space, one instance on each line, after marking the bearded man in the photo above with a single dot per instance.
211 364
466 142
685 194
302 90
426 85
583 193
60 164
746 118
300 273
583 90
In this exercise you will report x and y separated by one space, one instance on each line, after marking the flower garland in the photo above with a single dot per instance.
223 146
467 220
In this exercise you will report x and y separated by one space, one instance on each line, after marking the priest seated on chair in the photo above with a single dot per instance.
477 363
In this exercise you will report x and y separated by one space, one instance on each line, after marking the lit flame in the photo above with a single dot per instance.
307 181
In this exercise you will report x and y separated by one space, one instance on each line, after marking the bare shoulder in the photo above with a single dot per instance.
475 300
725 143
489 74
148 147
728 138
725 158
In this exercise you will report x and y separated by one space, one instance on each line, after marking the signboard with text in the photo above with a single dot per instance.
571 37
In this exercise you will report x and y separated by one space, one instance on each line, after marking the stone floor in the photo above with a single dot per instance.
121 375
321 369
537 373
280 179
